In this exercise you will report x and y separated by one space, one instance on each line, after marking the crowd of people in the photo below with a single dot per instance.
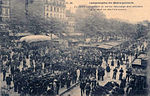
130 84
40 71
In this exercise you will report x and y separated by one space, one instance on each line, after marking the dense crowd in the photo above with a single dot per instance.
40 71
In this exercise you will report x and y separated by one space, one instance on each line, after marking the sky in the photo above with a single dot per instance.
132 15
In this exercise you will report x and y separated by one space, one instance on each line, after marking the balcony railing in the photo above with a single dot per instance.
4 16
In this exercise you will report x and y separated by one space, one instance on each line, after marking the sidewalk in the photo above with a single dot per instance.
64 90
75 91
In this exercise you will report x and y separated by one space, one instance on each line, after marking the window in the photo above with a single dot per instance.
57 9
51 8
54 9
0 11
7 11
47 15
4 11
1 19
63 10
46 7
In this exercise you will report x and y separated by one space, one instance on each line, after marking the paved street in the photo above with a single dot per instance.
76 90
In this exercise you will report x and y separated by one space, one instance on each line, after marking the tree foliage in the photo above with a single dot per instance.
94 23
141 30
37 25
89 22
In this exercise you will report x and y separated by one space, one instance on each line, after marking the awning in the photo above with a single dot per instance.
139 72
23 34
104 46
35 38
137 62
86 46
143 56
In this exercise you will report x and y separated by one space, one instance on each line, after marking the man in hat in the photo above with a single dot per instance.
121 74
88 89
68 82
57 86
118 64
114 73
112 62
8 81
93 83
128 74
4 74
82 86
50 90
108 70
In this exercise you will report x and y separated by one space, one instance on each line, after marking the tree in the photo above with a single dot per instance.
55 26
89 22
142 30
95 24
128 30
37 25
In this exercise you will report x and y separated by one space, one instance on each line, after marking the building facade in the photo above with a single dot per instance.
55 9
4 17
4 13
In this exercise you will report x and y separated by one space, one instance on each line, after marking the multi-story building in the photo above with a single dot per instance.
21 9
43 8
4 16
55 9
4 13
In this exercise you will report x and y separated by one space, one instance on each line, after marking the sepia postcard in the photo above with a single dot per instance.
74 47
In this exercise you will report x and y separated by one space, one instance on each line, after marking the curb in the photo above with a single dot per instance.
74 85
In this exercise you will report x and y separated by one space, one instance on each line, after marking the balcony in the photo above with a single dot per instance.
4 16
4 5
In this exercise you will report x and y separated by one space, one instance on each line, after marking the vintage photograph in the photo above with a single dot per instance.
74 47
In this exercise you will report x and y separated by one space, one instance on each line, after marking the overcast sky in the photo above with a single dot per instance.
132 15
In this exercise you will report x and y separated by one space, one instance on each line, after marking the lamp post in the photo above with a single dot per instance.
26 8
